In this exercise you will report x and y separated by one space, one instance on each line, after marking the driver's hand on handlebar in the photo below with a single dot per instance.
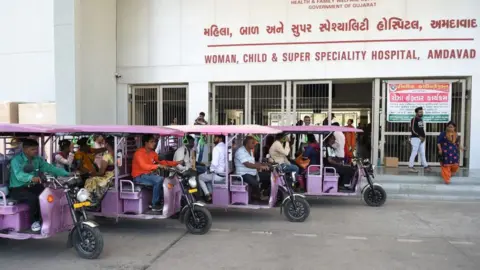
162 167
36 180
263 168
181 162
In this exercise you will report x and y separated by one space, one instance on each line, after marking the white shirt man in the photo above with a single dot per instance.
218 166
183 153
339 144
279 153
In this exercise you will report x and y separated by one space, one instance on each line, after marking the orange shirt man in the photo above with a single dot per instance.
145 161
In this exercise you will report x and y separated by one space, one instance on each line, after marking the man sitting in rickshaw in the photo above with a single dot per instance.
217 170
346 173
279 152
145 161
26 187
184 153
246 167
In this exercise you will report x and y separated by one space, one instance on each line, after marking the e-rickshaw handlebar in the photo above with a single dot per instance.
187 173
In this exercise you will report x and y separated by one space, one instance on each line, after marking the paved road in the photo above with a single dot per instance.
340 234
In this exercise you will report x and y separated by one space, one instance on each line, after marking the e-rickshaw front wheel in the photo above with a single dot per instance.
200 223
375 196
92 244
297 210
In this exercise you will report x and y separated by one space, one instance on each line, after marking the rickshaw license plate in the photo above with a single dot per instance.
80 205
193 190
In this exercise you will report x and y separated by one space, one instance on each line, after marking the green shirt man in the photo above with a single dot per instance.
25 187
19 178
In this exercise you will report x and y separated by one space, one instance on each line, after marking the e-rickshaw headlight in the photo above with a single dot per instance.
83 195
192 182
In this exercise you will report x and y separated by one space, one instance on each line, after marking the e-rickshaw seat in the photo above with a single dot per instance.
127 185
7 204
239 190
330 180
15 217
13 207
132 186
8 201
136 197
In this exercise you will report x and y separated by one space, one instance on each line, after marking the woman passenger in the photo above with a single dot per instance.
98 185
64 158
280 151
85 155
99 142
312 150
448 149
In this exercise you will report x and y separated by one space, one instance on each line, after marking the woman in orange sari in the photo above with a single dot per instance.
448 151
350 143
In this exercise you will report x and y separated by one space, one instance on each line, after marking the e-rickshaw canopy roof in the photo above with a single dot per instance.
316 129
225 130
116 129
29 129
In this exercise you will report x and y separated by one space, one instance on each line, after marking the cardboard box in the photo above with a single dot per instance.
9 112
37 113
391 162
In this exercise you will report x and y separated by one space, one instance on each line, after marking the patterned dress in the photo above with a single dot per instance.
449 150
98 185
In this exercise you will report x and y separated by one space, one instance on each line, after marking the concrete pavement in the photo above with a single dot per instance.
402 184
340 234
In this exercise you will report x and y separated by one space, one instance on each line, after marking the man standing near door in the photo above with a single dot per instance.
417 141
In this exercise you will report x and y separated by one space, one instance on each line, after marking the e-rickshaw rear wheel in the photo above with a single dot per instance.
201 223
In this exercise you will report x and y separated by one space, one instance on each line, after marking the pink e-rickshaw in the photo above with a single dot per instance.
321 180
62 203
233 192
129 199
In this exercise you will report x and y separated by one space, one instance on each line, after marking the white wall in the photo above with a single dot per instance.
63 51
85 61
97 61
26 51
67 79
162 41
